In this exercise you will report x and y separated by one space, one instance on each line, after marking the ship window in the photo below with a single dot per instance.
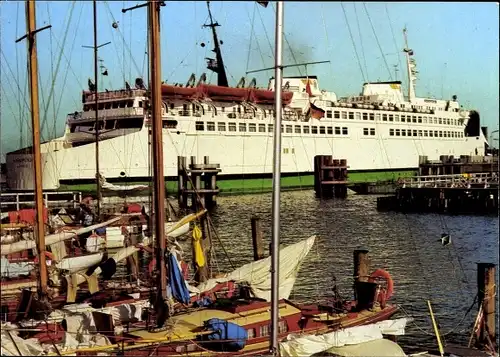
251 333
270 128
223 109
424 120
282 128
365 116
440 121
384 117
305 130
365 131
431 133
372 116
282 326
344 115
344 130
289 129
242 127
420 133
377 116
200 125
329 114
414 133
322 130
419 119
221 126
391 117
172 124
264 330
171 105
351 115
414 119
403 118
115 105
403 132
231 126
372 131
262 128
337 130
285 151
140 104
426 133
210 126
358 115
252 127
435 133
391 132
314 129
129 123
109 124
440 134
329 130
336 114
396 117
107 105
297 129
123 104
130 104
397 132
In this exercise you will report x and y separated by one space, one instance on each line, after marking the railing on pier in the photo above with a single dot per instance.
472 180
50 199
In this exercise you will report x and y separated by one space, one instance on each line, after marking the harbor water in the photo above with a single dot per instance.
406 245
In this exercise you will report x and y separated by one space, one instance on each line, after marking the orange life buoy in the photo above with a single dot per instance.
381 273
48 256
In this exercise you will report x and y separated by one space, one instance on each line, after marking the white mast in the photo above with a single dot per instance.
278 70
411 68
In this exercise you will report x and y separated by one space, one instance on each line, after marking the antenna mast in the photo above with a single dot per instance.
216 65
411 68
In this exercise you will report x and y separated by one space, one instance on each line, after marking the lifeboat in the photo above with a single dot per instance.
223 94
263 96
178 92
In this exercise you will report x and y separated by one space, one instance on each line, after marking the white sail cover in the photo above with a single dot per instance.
256 274
307 345
109 186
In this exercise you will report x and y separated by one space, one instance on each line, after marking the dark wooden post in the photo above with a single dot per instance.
257 239
361 265
486 296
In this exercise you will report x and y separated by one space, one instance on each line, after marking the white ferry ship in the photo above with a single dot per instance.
377 130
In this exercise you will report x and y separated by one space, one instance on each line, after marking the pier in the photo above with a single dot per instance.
449 165
197 181
463 193
330 177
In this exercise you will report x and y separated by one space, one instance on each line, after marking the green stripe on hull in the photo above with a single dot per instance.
255 185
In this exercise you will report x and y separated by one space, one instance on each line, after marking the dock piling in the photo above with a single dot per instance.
486 334
330 177
257 239
361 264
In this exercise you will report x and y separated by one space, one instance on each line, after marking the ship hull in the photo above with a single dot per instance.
241 155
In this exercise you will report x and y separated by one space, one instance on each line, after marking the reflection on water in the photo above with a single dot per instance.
408 246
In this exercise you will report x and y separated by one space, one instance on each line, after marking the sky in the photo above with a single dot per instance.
456 48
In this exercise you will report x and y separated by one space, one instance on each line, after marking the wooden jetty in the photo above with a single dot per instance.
462 193
330 177
449 165
197 181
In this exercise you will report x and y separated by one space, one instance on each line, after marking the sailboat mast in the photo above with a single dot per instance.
278 47
98 183
37 157
157 140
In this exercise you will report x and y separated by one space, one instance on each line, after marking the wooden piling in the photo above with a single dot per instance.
361 265
257 239
198 182
486 334
330 177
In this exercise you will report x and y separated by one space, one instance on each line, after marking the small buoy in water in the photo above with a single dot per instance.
115 25
202 44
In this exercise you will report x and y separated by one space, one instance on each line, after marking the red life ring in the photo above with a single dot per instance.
381 273
48 256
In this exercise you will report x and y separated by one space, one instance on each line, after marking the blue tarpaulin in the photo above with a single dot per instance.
177 283
232 337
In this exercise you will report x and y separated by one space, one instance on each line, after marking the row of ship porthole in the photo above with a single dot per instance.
261 128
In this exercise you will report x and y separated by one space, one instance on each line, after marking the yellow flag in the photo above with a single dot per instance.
198 251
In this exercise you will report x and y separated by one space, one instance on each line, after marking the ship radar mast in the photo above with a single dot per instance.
411 66
216 65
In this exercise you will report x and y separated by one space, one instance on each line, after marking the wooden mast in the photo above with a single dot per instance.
157 139
97 176
37 157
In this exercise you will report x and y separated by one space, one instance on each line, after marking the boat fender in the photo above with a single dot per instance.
232 337
48 256
383 274
108 268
